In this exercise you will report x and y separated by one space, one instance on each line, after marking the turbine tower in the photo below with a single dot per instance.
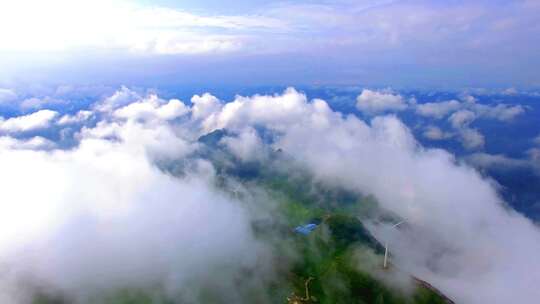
385 262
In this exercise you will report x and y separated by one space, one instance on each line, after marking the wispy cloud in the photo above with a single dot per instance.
116 25
376 102
7 95
37 120
464 39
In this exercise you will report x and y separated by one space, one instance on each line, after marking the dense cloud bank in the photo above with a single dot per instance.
104 208
102 215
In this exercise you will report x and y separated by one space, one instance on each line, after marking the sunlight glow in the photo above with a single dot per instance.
66 25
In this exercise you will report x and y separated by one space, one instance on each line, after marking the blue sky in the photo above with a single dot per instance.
442 44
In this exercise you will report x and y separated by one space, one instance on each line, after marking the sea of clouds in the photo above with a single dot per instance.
87 204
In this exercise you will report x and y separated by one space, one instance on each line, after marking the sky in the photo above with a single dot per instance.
441 44
113 159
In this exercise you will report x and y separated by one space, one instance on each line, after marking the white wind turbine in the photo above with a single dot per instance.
385 262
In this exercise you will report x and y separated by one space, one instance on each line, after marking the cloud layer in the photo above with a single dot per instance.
37 120
468 237
97 212
460 114
376 102
104 216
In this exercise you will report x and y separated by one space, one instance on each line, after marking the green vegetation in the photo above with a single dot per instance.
330 256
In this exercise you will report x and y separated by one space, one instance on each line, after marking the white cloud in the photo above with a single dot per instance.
277 112
499 112
79 117
120 98
503 162
510 91
34 143
534 157
102 216
150 227
373 102
379 25
465 114
204 105
171 110
468 110
462 118
499 161
154 138
123 25
37 120
534 153
152 107
32 103
437 109
160 17
469 99
462 239
247 146
7 95
471 139
189 44
435 133
39 103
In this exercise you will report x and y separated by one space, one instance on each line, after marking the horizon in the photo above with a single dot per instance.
401 44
